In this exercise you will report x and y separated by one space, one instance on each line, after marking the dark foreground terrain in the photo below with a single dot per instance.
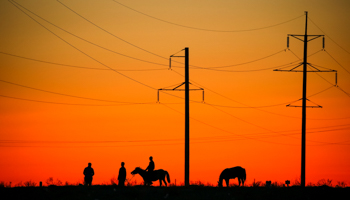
165 193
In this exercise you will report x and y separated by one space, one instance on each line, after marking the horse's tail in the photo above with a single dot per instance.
167 176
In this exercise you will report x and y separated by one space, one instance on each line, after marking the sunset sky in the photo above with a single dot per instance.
79 82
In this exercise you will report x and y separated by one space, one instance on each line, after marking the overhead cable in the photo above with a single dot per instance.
72 104
68 95
110 32
328 36
11 1
75 66
203 29
15 4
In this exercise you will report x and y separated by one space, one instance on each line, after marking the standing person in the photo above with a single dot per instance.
88 172
122 175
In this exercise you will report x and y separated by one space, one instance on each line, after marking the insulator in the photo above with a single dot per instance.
336 78
203 96
158 97
323 43
288 42
169 62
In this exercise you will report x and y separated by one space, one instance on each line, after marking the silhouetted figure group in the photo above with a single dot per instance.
89 173
149 175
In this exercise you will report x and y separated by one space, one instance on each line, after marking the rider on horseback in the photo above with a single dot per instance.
150 169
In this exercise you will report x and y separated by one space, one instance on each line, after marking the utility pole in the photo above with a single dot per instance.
305 65
187 111
303 123
187 120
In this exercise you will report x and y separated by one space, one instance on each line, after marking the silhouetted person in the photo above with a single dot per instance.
122 175
150 168
88 172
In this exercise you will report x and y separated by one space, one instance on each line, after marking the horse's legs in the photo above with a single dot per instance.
227 182
160 182
166 185
239 182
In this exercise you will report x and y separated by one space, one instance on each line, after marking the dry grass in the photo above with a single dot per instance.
130 183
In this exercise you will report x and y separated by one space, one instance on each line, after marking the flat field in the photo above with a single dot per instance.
100 192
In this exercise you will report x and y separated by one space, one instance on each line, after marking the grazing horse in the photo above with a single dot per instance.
234 172
154 176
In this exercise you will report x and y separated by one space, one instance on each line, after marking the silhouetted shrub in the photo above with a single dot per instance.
5 184
297 182
29 184
324 182
114 181
341 184
50 181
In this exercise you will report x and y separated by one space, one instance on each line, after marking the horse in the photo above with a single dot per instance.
231 173
154 176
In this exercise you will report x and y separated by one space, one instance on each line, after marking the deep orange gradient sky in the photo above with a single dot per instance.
79 82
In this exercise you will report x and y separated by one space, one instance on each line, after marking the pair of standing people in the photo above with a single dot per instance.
89 173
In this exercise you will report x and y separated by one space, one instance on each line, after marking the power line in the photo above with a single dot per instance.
71 104
124 54
224 129
75 66
244 63
245 105
110 32
13 2
256 70
258 107
337 62
88 40
328 36
198 140
203 29
68 95
275 132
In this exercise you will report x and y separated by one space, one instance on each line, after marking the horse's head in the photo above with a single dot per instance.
136 171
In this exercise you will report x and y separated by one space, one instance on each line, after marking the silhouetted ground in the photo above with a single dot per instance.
172 193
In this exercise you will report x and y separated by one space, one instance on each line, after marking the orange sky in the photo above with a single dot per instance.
101 106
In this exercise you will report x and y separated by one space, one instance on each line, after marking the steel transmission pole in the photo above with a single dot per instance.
187 110
305 38
303 124
187 120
